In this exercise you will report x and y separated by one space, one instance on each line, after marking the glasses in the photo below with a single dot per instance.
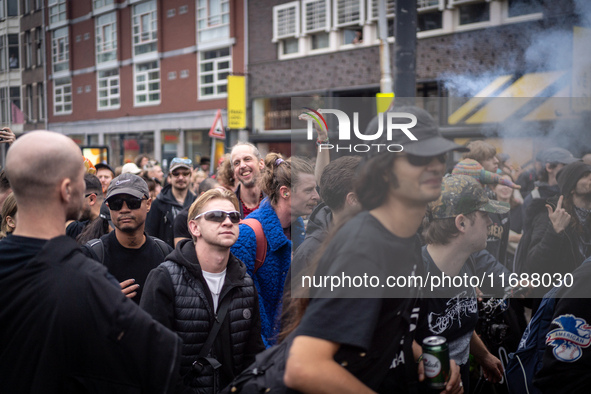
186 174
115 204
179 160
420 161
219 216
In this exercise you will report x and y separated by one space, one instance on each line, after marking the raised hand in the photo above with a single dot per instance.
559 217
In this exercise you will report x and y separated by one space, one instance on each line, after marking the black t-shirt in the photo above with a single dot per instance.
75 228
371 331
124 263
452 317
180 228
498 236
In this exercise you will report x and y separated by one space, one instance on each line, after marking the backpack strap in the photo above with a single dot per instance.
261 252
96 249
163 246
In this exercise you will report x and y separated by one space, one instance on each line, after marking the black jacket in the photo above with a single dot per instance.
165 208
548 251
67 328
177 295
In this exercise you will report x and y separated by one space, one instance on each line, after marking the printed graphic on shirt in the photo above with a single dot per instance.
568 340
458 306
495 232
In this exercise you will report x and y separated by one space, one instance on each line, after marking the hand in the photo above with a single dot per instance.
322 134
454 384
492 368
6 136
128 288
559 218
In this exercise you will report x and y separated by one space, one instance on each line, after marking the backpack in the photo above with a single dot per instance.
97 249
527 360
261 252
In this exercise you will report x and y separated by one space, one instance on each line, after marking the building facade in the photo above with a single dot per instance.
141 76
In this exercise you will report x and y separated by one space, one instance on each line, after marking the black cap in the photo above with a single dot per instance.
128 184
429 141
98 166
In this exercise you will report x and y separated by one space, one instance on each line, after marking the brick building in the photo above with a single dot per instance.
141 76
330 48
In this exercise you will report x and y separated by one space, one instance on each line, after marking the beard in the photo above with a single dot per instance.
85 214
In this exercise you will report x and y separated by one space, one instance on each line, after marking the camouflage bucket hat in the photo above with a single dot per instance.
461 194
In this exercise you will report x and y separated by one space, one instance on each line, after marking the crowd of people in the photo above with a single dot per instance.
136 280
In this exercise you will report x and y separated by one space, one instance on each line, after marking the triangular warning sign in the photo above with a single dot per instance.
217 130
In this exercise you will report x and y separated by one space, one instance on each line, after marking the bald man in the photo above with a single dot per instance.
70 327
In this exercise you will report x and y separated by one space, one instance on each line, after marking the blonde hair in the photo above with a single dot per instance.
206 197
479 151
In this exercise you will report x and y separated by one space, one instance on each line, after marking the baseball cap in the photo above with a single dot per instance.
474 169
429 142
98 166
462 194
556 155
130 168
128 184
179 162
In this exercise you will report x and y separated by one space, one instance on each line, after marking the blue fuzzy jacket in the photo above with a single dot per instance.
270 278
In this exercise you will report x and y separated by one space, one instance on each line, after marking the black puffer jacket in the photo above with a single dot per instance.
548 251
176 294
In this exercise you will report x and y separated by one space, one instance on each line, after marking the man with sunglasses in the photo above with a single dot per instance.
93 199
173 198
127 252
203 282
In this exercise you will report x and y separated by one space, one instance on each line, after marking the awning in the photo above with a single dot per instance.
542 96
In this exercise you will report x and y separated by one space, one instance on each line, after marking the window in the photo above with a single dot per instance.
26 7
147 83
57 11
145 30
183 9
286 21
170 13
317 22
101 3
214 68
108 89
38 4
29 103
62 96
8 97
106 37
39 46
13 51
524 7
430 14
474 13
59 50
40 101
348 12
213 19
12 7
390 8
3 51
28 50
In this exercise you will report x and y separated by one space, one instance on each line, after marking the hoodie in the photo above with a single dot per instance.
177 295
165 208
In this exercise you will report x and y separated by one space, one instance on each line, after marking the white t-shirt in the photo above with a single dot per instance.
215 282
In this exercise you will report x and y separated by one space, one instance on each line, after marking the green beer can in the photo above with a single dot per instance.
436 362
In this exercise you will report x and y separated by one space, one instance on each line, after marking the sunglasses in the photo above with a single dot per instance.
115 204
220 216
420 161
179 160
186 174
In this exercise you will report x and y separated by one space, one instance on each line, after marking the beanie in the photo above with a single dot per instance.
569 175
471 167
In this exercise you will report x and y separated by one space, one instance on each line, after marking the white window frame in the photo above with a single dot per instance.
213 72
390 6
100 36
59 92
29 100
108 90
39 36
55 46
146 82
335 14
470 26
54 10
521 18
98 4
26 7
327 24
279 8
204 16
440 6
40 101
153 16
28 49
454 3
